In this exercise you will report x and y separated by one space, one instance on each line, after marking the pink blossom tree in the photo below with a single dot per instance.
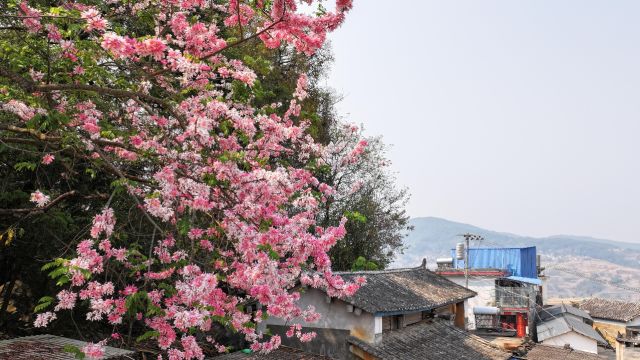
146 90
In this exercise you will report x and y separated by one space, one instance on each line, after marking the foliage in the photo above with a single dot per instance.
202 193
365 193
363 264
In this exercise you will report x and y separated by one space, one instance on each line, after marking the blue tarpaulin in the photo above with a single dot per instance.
520 262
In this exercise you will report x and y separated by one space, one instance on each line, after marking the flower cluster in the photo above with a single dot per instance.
228 191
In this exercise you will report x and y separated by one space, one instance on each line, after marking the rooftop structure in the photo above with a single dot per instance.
562 324
615 310
566 327
50 347
428 340
556 310
545 352
404 290
517 262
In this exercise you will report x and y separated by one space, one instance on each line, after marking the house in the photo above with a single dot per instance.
546 352
428 340
611 317
390 300
509 280
565 325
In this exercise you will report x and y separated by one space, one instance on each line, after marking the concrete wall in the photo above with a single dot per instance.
575 340
328 342
545 288
485 287
627 353
609 329
334 316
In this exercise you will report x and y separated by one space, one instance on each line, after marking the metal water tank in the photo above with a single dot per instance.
460 251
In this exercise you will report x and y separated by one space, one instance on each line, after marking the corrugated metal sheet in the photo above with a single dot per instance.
527 280
562 324
518 261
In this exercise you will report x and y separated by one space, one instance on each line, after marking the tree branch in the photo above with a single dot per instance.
18 212
101 90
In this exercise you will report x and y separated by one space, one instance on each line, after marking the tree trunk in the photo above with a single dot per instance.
7 297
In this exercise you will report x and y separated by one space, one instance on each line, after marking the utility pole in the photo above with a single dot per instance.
467 238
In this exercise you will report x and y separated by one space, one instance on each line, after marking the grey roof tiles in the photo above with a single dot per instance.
611 309
430 340
405 290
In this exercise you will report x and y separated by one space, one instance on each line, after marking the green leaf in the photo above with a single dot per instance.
184 226
41 307
45 299
25 165
74 350
63 280
265 225
355 216
58 272
148 335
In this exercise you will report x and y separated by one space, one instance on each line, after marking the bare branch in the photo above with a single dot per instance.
18 212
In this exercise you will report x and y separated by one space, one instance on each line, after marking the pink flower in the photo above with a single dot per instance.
94 20
93 351
78 70
44 319
153 47
66 300
301 87
53 33
88 116
48 159
129 290
306 337
119 46
39 198
20 109
103 223
32 17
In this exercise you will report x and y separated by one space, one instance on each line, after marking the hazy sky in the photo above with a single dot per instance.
518 116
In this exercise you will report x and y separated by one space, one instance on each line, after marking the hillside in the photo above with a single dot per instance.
605 260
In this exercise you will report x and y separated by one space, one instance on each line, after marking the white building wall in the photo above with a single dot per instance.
575 340
545 289
634 322
485 287
335 316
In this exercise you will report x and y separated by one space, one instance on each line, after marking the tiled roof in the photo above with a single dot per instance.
545 352
551 311
562 324
49 347
405 290
282 353
430 340
611 309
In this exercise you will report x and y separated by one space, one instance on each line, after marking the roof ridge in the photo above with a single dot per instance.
384 271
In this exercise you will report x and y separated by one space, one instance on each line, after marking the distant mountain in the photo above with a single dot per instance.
435 237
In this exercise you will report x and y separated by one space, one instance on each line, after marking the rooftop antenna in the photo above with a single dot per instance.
467 238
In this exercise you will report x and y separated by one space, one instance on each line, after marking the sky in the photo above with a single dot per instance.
516 116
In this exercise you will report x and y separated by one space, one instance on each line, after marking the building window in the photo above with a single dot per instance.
392 322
